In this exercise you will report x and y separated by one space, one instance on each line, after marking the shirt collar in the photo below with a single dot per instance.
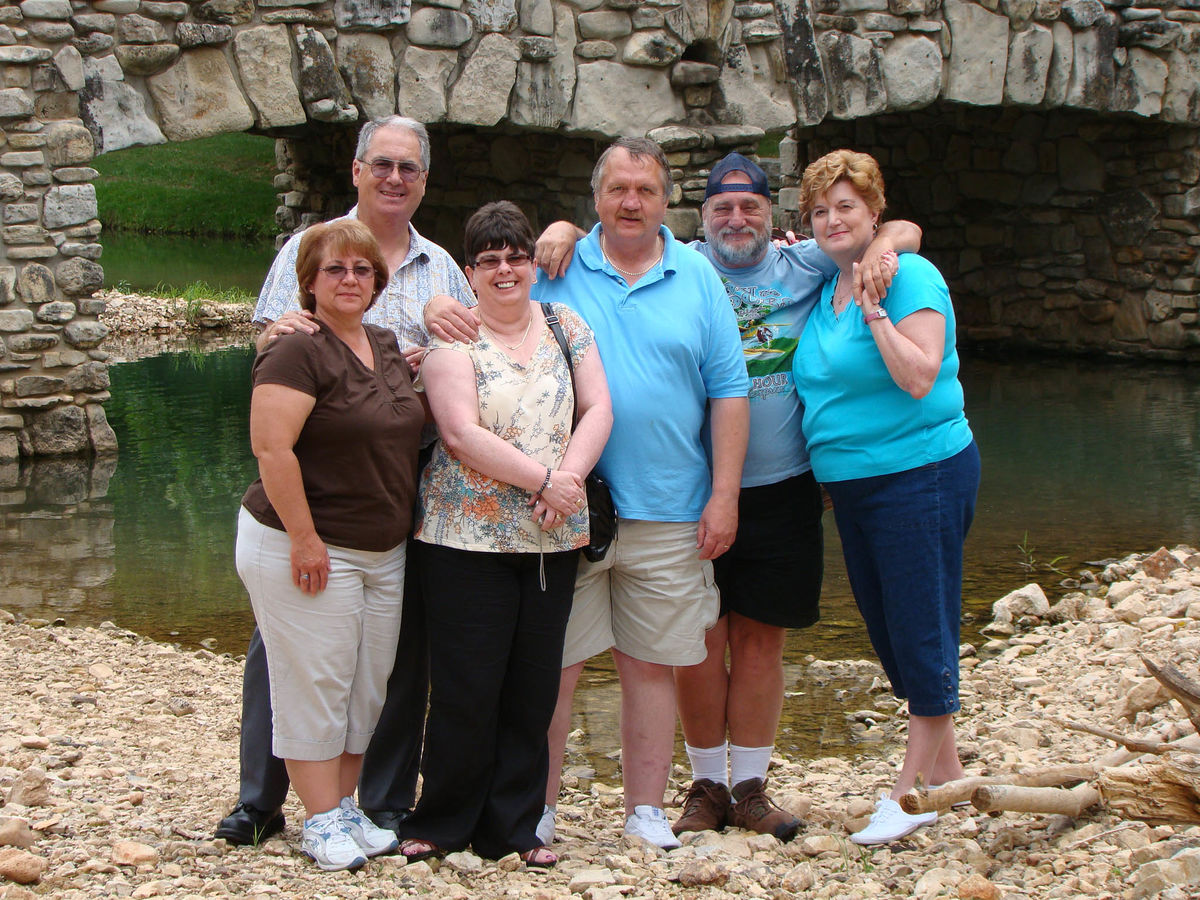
417 246
591 255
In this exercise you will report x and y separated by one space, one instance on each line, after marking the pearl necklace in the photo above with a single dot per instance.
519 344
633 275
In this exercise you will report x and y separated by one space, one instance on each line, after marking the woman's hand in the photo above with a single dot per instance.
310 563
565 496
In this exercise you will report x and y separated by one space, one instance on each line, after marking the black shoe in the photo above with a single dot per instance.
247 825
391 819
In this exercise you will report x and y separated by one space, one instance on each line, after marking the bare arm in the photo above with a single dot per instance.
450 386
298 320
877 267
449 320
556 246
595 419
277 413
730 434
912 349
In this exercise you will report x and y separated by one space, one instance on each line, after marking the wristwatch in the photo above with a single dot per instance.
880 313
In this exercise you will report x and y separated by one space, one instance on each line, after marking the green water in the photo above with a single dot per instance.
1081 461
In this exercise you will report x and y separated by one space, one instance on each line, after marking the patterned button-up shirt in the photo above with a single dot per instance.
427 270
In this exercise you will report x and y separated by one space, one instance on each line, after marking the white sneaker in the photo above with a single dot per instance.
889 822
650 824
545 826
329 842
371 839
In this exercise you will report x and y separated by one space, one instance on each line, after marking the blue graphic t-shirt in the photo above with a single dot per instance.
772 302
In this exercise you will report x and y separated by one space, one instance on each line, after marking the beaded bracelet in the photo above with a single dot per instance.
545 484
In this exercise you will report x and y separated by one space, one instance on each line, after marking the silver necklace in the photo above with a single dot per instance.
519 344
627 274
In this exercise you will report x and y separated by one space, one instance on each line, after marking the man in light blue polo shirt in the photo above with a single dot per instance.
670 345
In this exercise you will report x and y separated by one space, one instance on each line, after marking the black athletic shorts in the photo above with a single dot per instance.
772 573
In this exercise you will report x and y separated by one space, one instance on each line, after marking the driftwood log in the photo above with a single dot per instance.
1164 790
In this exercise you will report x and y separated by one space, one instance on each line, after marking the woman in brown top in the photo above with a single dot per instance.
335 425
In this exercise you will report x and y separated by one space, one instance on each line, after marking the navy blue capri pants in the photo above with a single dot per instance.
902 538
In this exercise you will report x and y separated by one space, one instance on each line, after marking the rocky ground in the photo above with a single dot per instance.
118 756
144 326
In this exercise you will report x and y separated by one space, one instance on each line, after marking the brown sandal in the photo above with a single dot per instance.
415 849
540 858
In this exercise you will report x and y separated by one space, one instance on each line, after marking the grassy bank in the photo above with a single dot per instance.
215 186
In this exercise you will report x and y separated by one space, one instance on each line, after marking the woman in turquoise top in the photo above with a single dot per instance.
883 416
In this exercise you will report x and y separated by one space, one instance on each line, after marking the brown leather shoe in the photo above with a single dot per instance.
753 810
705 807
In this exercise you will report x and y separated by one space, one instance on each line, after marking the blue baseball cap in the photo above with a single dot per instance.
735 162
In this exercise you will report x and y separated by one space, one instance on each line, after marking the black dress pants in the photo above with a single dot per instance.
389 774
495 656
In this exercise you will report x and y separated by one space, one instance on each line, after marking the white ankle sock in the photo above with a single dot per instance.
709 762
748 762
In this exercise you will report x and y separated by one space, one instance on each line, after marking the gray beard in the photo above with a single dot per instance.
736 257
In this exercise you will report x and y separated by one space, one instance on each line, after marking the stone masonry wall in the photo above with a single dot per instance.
81 77
1063 229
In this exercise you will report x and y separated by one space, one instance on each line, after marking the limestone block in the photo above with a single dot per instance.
193 34
137 29
912 71
35 284
23 56
1029 56
761 32
12 320
544 90
432 27
265 62
493 15
1082 13
198 97
366 63
372 14
1058 79
595 50
421 79
683 222
59 431
69 64
537 17
803 59
69 204
170 11
604 25
225 12
16 213
1181 96
57 312
1141 83
853 75
585 4
15 103
75 174
643 17
78 277
100 433
480 96
90 377
536 48
146 59
321 85
10 187
85 334
46 9
651 48
104 22
749 92
612 100
977 66
1092 71
687 73
113 111
675 137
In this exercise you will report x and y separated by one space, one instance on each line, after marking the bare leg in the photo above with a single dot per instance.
702 690
926 736
560 727
947 766
647 729
321 784
755 681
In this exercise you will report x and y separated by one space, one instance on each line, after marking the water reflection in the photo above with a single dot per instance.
1081 462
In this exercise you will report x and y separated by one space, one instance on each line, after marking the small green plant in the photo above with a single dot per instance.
1028 562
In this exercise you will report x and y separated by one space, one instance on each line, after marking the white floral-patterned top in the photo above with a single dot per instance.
531 407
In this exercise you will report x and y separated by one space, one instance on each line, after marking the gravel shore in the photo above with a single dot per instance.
118 756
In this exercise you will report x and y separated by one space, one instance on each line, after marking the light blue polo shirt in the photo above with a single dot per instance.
772 301
668 344
858 422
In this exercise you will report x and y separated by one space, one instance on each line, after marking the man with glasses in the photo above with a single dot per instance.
390 169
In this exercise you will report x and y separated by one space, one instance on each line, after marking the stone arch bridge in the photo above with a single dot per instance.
1048 146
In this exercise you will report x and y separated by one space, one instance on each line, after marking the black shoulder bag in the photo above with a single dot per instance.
602 512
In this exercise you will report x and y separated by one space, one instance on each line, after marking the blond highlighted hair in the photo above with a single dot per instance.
860 169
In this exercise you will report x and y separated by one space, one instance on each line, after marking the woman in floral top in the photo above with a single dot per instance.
504 512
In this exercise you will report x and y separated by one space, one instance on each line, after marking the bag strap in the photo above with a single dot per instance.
556 329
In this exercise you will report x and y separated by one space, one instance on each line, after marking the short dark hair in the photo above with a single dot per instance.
341 236
495 226
636 148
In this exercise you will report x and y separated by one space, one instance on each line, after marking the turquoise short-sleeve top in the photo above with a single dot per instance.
857 420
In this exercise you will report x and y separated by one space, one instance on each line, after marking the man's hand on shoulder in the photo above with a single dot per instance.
449 320
555 248
288 323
